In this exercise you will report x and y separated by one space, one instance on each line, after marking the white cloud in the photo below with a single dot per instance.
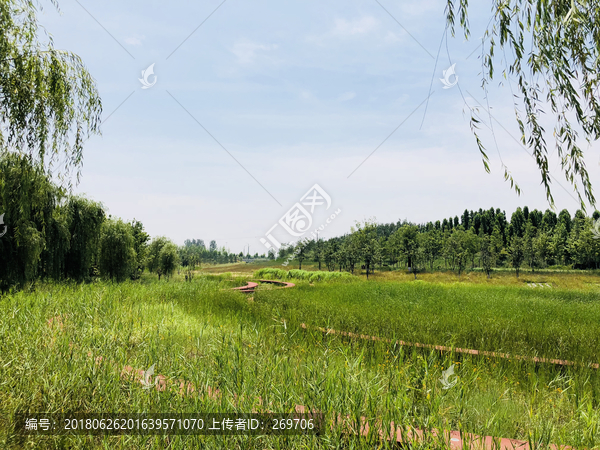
346 96
247 51
135 40
345 27
392 38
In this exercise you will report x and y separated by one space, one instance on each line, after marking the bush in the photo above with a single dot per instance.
279 274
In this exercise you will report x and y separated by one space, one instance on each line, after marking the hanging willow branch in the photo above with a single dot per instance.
553 50
49 103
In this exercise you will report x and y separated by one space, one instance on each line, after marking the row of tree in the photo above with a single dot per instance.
52 235
483 239
194 252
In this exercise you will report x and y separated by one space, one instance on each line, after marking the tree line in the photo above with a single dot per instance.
483 239
52 235
56 236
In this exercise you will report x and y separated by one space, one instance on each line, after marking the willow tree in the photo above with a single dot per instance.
117 256
27 202
85 218
163 256
49 103
552 50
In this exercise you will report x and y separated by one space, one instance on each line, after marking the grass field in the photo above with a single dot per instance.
251 349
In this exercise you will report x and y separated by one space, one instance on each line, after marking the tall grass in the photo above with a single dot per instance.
256 349
296 274
548 323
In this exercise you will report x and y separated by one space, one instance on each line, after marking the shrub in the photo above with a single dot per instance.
279 274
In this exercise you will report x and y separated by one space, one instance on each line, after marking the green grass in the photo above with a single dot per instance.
550 323
296 274
210 336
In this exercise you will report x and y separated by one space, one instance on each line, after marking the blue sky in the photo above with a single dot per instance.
258 102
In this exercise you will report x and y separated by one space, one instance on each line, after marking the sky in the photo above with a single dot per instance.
250 104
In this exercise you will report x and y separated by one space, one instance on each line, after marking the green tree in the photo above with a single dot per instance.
516 253
559 244
85 219
350 251
153 255
159 261
542 249
408 242
458 249
329 254
168 259
529 249
49 103
367 243
585 247
551 49
497 242
472 245
140 245
117 255
431 243
301 252
27 200
487 254
58 241
318 252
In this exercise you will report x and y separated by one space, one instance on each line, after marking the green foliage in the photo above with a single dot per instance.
163 256
194 253
49 103
153 259
85 218
551 49
546 240
368 245
117 255
140 245
488 255
168 259
517 253
51 235
27 200
272 273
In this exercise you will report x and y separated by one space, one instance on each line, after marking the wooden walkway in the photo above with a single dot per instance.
443 348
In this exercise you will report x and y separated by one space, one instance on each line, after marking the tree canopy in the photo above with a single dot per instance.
551 48
49 103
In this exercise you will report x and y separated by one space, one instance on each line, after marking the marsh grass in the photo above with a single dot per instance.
259 358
